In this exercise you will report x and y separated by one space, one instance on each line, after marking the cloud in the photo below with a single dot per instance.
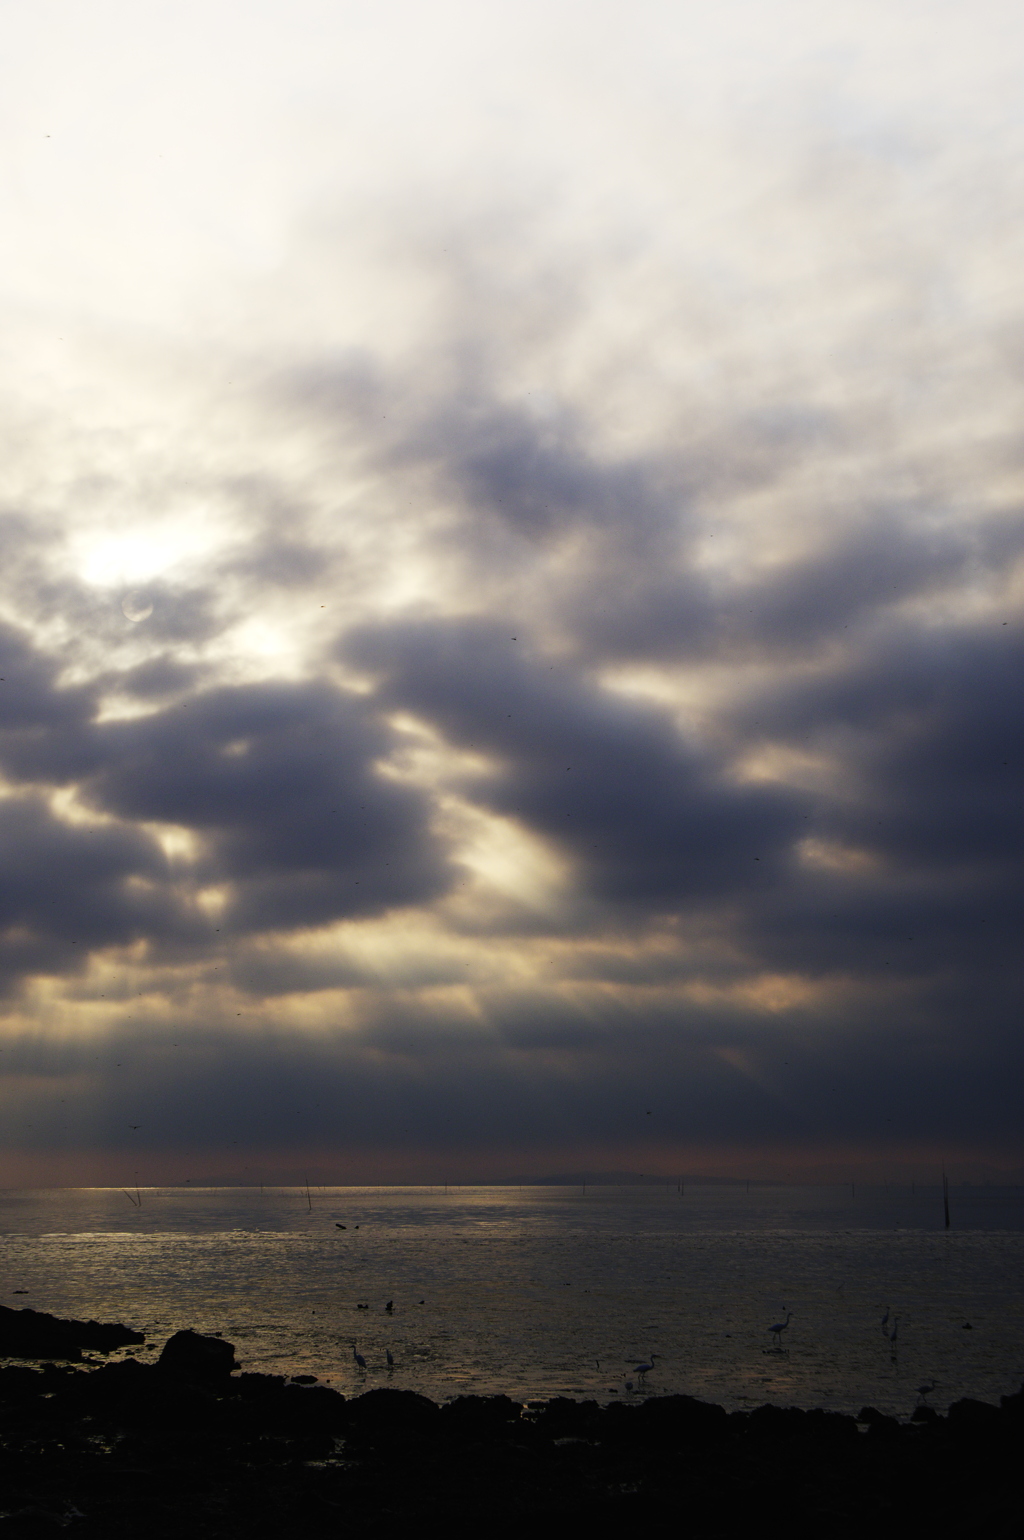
69 889
584 549
646 817
277 782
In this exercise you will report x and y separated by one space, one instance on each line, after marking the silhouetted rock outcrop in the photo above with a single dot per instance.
974 1414
128 1446
190 1356
34 1334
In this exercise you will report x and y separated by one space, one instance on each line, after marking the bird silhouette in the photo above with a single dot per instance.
642 1370
391 1361
360 1360
779 1328
926 1390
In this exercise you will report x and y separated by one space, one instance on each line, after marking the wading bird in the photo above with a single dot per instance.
643 1369
926 1390
779 1328
391 1361
360 1360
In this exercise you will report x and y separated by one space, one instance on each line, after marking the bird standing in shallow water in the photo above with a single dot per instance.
642 1369
391 1361
360 1360
779 1328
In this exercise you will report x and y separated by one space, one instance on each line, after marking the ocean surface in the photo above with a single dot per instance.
545 1291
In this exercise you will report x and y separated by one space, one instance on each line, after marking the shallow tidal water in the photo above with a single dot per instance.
544 1291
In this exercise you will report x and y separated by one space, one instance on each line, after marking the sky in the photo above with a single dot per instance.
511 604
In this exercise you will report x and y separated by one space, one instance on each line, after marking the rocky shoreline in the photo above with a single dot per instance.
189 1445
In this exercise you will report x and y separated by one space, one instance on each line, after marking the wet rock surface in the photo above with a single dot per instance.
105 1451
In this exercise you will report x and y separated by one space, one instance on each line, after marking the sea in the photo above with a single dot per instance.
542 1291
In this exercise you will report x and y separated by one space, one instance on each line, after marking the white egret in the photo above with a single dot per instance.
779 1328
643 1369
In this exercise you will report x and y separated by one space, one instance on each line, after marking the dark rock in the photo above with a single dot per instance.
925 1414
1013 1406
681 1419
34 1334
190 1356
479 1416
303 1379
776 1421
834 1426
563 1418
384 1411
974 1414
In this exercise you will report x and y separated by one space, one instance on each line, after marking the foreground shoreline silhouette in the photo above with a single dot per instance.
190 1445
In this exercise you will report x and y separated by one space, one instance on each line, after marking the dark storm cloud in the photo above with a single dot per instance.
523 470
648 818
278 780
637 588
155 679
662 611
67 889
533 472
519 480
927 728
30 701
